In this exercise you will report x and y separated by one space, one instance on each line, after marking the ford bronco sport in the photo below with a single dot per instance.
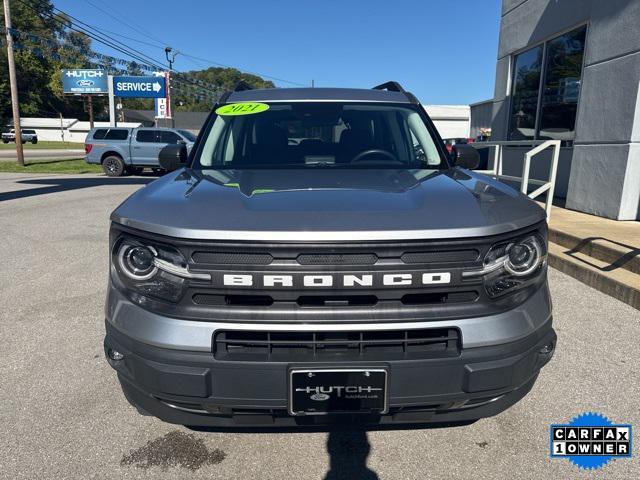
318 258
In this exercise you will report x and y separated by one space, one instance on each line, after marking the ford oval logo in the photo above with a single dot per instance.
85 83
319 397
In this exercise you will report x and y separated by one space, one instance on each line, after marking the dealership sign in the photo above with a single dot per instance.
139 87
84 81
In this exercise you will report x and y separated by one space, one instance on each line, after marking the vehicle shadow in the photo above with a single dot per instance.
45 186
348 444
348 453
586 245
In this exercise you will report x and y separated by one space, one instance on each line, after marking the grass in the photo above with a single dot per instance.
44 145
76 165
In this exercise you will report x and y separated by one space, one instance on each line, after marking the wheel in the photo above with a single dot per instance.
135 170
34 141
113 166
5 141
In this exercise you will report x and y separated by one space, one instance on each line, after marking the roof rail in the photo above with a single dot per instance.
396 87
241 86
390 86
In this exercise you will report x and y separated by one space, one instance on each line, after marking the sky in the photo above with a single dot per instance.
444 51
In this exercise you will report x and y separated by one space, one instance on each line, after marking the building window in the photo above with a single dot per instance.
526 87
547 109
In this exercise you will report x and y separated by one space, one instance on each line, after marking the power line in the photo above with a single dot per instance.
98 37
193 57
92 32
211 62
131 26
154 45
104 39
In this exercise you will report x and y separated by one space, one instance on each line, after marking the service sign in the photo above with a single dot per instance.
83 81
139 87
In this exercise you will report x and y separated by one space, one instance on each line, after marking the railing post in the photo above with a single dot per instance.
547 186
524 186
552 177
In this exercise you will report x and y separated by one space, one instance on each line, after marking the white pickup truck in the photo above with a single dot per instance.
27 136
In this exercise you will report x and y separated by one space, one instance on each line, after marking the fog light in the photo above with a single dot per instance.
115 355
547 349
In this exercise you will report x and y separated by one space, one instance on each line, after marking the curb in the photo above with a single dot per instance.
616 254
619 283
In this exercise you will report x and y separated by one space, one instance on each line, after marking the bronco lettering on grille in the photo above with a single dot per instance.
328 280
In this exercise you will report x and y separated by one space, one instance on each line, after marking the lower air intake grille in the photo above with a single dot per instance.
238 345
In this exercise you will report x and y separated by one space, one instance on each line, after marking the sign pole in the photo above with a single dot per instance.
90 108
112 102
14 85
169 112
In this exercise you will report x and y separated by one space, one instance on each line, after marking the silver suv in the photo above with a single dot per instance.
320 258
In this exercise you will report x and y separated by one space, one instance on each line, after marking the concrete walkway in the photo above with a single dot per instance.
602 253
584 225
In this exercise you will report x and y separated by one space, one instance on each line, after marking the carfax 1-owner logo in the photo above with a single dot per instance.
590 440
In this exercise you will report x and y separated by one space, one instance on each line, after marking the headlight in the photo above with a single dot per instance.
137 262
151 270
512 265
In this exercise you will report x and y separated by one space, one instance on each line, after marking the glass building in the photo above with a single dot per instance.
570 70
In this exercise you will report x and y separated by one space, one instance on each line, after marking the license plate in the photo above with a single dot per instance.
325 391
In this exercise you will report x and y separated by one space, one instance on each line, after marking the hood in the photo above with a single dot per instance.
327 205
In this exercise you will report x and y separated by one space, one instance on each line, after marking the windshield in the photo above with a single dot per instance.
319 134
188 135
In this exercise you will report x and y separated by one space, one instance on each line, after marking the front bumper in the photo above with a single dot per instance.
193 388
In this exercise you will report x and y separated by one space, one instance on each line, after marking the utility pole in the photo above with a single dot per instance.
168 51
14 85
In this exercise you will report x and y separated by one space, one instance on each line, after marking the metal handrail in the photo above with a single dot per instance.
539 146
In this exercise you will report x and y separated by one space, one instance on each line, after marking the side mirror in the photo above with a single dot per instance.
172 157
465 156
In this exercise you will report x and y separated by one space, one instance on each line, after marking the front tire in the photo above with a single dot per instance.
34 141
113 166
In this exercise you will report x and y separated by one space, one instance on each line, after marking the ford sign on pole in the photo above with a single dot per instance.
84 82
139 87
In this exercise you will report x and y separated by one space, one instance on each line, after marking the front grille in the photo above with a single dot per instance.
356 290
332 301
338 259
241 345
231 258
469 255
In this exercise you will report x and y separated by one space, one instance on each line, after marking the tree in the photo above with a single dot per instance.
188 96
47 43
30 69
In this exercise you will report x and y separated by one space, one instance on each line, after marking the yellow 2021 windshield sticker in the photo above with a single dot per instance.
245 108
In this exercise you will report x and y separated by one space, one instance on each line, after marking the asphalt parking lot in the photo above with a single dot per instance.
63 416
